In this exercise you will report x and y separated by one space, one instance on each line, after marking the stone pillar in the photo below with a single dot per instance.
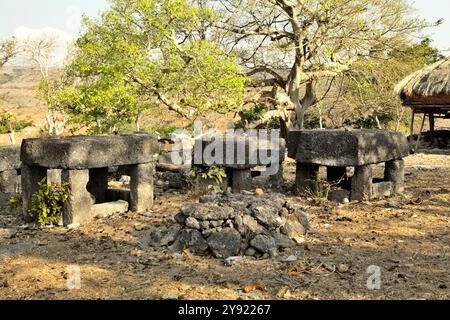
362 183
98 184
241 180
276 180
31 176
8 181
141 186
395 173
336 174
77 208
306 178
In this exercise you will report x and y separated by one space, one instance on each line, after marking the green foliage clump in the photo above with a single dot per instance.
47 203
254 116
15 202
8 124
214 174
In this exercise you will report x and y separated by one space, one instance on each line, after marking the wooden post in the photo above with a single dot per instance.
412 125
420 133
431 119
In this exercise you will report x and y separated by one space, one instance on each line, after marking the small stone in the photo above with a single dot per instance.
216 224
259 192
225 243
139 227
263 243
165 236
192 240
294 230
343 268
180 218
7 233
204 225
267 215
291 258
230 261
169 297
192 223
73 226
250 252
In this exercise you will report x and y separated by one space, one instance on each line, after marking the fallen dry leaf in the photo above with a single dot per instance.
254 287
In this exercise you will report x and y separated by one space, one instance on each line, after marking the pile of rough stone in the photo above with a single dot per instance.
229 225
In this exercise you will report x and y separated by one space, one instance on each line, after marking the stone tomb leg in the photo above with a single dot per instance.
395 173
78 207
31 176
362 183
306 178
240 180
141 186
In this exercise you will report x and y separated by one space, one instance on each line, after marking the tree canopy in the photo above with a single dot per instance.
143 52
292 44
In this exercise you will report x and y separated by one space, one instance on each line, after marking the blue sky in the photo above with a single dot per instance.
63 15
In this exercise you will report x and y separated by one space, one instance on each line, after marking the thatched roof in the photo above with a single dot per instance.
427 87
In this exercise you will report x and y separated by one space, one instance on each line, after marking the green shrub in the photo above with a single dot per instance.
15 202
215 174
47 203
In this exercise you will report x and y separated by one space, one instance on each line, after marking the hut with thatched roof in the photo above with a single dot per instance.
427 92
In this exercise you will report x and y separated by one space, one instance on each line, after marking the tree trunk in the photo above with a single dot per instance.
138 121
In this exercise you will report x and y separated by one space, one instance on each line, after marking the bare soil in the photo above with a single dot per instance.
407 237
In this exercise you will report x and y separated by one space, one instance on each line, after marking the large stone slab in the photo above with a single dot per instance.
238 152
341 148
9 158
83 152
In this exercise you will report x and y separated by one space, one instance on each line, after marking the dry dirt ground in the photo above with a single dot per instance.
407 237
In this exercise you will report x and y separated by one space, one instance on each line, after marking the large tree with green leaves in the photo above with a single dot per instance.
291 44
145 52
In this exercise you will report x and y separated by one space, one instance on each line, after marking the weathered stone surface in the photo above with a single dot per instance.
339 148
237 152
141 187
86 152
395 172
264 244
306 178
77 209
283 241
7 233
118 194
339 195
192 239
107 209
251 226
9 181
241 180
31 176
54 176
382 189
207 211
9 158
165 236
362 184
193 223
267 215
294 230
226 243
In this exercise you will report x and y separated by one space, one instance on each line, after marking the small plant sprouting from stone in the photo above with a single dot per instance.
15 202
215 174
47 203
